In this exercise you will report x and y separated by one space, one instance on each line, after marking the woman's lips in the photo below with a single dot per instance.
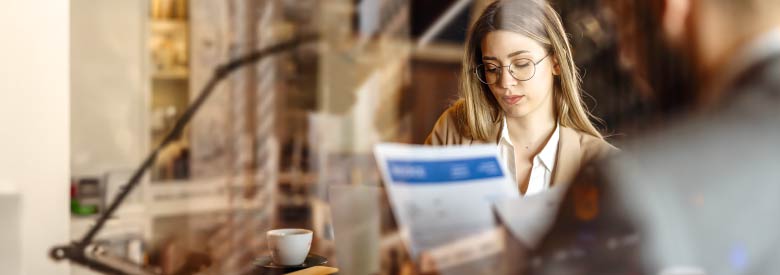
512 99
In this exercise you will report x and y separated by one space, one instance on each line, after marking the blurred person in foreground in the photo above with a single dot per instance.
701 196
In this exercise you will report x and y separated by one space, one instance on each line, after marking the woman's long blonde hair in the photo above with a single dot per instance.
537 20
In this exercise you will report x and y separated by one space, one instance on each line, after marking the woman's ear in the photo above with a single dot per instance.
556 66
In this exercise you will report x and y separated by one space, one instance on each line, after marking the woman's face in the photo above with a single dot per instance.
519 98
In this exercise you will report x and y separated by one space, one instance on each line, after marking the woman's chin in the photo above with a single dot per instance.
516 112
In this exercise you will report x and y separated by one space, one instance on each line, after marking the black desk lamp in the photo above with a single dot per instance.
82 251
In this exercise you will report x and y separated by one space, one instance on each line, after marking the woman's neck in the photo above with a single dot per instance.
531 131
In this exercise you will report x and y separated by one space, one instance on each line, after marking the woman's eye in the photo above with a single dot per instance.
492 69
521 64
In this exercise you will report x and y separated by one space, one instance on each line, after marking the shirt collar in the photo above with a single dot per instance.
548 153
505 133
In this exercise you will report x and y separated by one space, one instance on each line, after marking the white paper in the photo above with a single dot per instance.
441 195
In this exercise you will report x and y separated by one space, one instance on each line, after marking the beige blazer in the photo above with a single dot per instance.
575 148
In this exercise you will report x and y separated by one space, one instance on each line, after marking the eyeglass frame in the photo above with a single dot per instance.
501 73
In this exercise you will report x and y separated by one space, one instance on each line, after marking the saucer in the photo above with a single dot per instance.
266 263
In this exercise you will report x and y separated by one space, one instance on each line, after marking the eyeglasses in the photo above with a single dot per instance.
521 69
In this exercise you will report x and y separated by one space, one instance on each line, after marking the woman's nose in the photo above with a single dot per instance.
506 78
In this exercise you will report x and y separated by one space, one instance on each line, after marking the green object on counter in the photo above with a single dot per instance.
82 210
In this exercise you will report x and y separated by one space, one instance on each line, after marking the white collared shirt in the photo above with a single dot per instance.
543 163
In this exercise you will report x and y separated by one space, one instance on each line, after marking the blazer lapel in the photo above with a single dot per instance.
568 158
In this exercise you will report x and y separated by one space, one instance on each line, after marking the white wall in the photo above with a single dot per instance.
108 102
34 124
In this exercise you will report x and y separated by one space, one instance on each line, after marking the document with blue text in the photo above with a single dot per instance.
442 196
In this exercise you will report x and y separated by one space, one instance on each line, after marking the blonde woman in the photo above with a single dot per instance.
520 90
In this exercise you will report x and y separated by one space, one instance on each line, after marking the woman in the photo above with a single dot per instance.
520 90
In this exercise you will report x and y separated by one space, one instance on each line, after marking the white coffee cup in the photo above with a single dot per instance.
289 246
